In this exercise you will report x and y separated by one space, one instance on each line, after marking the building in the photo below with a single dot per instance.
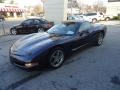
11 10
113 7
56 10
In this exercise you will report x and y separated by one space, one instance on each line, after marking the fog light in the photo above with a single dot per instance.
31 64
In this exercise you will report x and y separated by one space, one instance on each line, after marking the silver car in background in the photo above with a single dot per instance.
75 17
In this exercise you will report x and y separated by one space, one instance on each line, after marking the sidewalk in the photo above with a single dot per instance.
110 22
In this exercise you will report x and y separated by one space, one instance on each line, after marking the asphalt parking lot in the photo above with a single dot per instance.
90 68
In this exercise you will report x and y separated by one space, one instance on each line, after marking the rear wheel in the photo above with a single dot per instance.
99 40
13 31
56 57
107 19
94 20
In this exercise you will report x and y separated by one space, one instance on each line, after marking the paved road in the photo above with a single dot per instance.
90 68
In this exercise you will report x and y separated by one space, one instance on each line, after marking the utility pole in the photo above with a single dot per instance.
43 1
71 7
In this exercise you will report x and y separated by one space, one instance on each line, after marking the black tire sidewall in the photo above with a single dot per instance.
49 56
97 43
107 19
13 29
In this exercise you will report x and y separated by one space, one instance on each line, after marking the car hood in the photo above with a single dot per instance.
30 44
17 26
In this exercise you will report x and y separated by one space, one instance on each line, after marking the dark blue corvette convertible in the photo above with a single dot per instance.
52 46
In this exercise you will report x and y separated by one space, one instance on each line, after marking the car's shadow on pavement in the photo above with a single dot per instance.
76 54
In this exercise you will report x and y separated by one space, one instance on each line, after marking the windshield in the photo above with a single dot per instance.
90 14
27 22
63 29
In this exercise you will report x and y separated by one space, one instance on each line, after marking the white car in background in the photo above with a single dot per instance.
95 17
92 17
106 17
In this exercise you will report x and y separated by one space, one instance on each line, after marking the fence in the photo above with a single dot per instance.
4 27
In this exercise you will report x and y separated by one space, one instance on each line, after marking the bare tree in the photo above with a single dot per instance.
12 2
99 8
38 9
2 1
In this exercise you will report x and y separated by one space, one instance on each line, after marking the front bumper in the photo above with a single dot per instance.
22 64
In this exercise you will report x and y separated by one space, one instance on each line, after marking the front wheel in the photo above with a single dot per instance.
13 31
56 58
99 40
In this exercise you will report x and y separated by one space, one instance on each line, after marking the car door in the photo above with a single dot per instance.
46 24
22 27
84 33
36 25
30 26
26 26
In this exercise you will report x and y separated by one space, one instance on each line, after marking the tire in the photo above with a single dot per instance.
99 40
40 30
13 31
94 20
107 19
56 58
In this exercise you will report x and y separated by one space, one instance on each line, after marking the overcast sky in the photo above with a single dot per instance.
26 2
91 2
34 2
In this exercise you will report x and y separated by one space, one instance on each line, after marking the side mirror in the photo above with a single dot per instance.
80 33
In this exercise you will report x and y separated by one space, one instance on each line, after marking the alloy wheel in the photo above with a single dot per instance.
56 58
13 31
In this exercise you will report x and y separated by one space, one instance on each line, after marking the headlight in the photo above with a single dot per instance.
29 65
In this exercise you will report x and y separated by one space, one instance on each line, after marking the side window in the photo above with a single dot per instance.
28 22
36 22
85 26
43 21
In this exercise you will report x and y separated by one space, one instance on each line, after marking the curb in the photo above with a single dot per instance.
110 22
